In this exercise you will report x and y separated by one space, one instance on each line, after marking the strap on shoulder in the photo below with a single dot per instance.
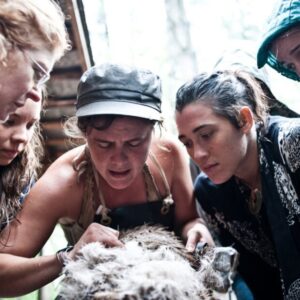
161 171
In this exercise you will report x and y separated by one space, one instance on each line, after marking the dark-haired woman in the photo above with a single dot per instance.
249 185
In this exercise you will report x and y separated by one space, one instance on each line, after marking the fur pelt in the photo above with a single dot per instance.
153 265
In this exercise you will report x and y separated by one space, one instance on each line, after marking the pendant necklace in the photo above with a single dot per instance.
255 201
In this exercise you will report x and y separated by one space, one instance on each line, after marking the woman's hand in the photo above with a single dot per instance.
97 233
194 232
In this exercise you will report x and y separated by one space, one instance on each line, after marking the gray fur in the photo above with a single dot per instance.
153 265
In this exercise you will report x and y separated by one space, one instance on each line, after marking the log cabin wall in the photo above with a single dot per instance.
62 86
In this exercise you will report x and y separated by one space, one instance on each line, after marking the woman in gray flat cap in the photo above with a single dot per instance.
123 176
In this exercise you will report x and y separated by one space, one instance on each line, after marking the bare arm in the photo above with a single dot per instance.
57 194
20 275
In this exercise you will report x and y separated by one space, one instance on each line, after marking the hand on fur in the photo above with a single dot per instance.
97 233
195 232
153 265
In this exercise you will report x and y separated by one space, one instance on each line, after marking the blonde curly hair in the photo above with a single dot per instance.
28 25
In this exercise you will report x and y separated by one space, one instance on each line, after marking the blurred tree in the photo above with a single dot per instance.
182 60
239 22
182 57
99 35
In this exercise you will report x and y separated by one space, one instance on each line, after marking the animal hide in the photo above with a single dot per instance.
153 265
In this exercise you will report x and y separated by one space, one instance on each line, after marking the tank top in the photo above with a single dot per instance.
158 209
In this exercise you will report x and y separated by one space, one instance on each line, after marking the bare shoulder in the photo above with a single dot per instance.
59 187
168 148
171 156
64 163
61 172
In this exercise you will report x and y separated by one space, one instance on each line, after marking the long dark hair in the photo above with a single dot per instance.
226 92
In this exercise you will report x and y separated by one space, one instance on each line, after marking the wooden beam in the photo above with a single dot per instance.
79 36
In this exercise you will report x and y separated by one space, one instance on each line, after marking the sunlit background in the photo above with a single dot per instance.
178 38
175 39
